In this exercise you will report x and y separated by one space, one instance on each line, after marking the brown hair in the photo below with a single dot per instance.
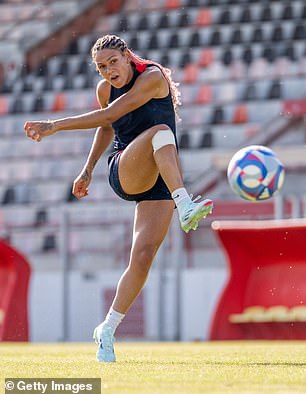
111 41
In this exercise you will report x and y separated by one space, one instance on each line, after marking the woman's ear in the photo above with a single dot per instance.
128 56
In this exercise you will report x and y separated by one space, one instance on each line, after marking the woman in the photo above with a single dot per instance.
138 100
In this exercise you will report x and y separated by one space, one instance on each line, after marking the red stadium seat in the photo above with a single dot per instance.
240 114
112 6
172 4
204 95
206 57
3 105
191 73
59 103
204 17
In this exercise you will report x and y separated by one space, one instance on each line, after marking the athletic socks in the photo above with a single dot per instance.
113 319
180 197
190 211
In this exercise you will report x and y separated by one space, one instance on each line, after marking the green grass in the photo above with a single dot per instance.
168 368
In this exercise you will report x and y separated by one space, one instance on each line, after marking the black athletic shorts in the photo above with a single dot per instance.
158 192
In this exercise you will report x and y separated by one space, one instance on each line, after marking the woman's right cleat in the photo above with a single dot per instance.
193 212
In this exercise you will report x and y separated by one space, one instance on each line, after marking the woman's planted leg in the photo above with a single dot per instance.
152 220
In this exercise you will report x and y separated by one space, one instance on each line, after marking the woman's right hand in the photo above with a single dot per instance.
81 184
37 130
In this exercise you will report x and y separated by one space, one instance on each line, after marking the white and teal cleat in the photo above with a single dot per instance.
195 211
104 338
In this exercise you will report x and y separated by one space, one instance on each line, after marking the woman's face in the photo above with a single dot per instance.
114 66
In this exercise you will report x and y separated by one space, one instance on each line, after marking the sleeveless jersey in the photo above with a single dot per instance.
155 111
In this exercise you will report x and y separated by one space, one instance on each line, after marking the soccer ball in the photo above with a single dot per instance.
255 173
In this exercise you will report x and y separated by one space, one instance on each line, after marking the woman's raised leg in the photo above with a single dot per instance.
152 153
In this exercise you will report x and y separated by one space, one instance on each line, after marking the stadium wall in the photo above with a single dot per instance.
199 291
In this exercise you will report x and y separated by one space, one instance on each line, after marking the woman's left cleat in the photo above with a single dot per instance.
104 337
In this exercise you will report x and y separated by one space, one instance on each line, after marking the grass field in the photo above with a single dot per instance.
168 368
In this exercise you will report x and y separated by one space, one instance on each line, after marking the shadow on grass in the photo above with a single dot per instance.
224 363
278 363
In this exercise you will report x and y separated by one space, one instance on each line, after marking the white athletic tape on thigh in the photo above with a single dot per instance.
162 138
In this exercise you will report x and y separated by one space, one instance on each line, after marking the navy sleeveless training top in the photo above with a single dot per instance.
155 111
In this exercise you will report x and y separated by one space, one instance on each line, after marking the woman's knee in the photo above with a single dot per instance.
142 258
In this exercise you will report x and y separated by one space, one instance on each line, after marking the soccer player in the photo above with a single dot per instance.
138 100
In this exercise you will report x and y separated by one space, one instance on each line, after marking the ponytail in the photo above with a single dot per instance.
140 63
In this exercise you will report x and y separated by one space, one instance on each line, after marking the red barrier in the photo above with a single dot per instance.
296 108
265 296
112 6
14 280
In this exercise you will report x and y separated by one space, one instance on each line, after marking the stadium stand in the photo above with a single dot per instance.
238 64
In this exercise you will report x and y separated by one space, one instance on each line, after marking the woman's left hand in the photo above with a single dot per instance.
37 130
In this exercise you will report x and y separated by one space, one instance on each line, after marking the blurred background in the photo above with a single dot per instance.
241 66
